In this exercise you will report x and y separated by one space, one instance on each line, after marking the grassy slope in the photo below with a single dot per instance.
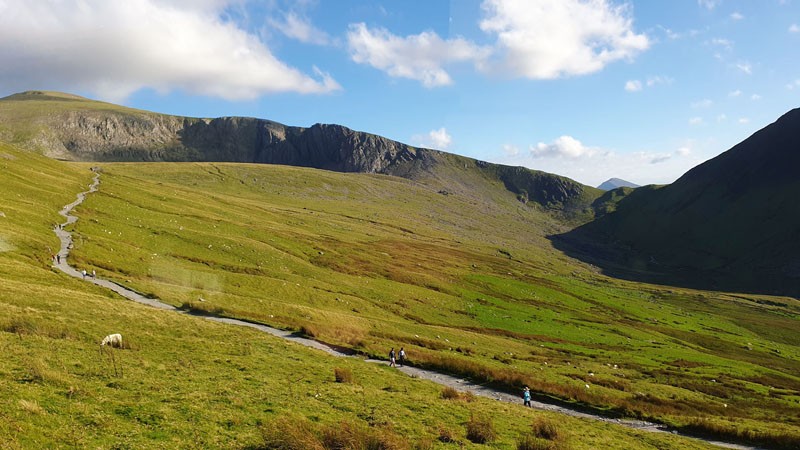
184 382
468 286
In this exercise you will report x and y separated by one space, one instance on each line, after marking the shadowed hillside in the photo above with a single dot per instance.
77 129
731 223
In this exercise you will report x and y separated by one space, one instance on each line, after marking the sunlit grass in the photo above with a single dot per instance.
365 261
372 261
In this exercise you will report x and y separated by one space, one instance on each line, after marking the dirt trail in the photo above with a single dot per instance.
440 378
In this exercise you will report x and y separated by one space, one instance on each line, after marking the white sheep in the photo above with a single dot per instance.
112 340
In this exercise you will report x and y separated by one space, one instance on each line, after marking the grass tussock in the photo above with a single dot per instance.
32 407
300 434
480 430
343 375
544 434
449 393
546 429
25 326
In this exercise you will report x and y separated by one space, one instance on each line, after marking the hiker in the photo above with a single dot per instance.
94 274
84 273
58 258
402 356
391 358
526 397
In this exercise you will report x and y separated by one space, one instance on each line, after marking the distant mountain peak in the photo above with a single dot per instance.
614 183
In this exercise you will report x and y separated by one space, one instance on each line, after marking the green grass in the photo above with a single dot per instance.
184 382
472 287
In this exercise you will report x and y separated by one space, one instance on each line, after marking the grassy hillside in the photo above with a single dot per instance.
184 382
469 287
731 223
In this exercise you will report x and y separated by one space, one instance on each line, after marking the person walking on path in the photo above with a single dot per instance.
391 358
83 272
526 397
402 356
58 258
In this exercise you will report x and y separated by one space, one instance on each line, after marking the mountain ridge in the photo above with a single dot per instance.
731 223
78 129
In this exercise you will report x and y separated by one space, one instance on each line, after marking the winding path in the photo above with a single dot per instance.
446 380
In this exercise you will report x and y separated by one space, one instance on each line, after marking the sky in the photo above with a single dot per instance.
588 89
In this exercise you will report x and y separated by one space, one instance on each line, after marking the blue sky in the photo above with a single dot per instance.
589 89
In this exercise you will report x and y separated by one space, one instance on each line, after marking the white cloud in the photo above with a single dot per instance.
597 165
737 16
745 67
722 118
420 57
511 150
695 121
709 4
658 79
794 28
563 147
793 85
658 159
113 49
652 81
633 86
735 93
744 120
301 29
755 97
541 39
436 139
727 44
705 103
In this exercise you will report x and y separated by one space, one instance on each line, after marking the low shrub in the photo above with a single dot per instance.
480 430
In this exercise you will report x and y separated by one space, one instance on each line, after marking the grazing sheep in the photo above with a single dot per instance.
112 340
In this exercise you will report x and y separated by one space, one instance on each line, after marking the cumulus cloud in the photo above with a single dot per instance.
705 103
709 4
745 67
301 29
511 150
658 79
597 164
755 97
437 139
540 39
737 16
633 86
652 81
735 93
744 120
794 28
420 57
563 147
115 48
